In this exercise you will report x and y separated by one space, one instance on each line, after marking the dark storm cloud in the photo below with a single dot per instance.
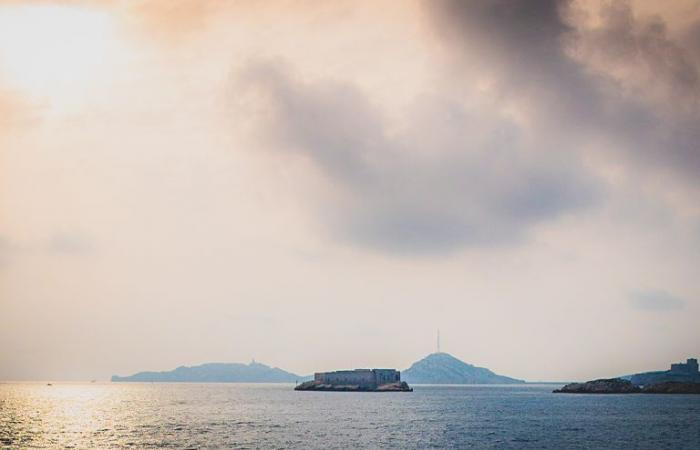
656 300
691 40
458 177
624 81
643 48
466 176
520 45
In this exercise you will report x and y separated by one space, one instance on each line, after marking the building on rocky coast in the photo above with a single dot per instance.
370 378
688 367
686 372
381 380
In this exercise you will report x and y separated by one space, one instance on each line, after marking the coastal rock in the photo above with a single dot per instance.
313 385
672 387
400 386
602 386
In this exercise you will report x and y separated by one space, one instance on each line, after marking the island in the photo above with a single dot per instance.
217 373
443 368
436 368
682 378
621 386
357 380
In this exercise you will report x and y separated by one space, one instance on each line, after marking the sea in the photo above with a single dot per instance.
250 416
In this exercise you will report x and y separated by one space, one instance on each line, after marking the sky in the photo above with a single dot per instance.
323 185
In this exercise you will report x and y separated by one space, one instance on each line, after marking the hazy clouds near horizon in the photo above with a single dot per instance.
323 185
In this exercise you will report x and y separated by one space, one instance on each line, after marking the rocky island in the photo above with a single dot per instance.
216 373
621 386
683 378
443 368
358 380
436 368
602 386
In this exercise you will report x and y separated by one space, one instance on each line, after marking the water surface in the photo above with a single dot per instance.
181 416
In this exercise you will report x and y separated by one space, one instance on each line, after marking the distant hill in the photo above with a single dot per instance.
443 368
218 372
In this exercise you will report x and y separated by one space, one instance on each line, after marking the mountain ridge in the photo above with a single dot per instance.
435 368
216 373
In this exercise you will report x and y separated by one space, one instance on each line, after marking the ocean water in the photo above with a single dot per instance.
188 416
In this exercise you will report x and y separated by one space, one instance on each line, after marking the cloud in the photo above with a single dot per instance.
462 172
656 300
61 243
457 176
639 54
606 75
518 46
658 82
173 20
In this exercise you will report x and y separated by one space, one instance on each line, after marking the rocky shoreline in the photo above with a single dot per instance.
401 386
602 386
621 386
672 387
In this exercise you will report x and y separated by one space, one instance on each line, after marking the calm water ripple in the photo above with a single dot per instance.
239 416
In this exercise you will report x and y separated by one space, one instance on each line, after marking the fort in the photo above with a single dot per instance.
686 372
689 367
371 378
356 380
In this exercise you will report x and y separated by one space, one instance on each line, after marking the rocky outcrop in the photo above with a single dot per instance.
401 386
672 387
621 386
603 386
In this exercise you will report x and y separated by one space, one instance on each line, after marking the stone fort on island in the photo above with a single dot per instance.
369 378
686 372
689 367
